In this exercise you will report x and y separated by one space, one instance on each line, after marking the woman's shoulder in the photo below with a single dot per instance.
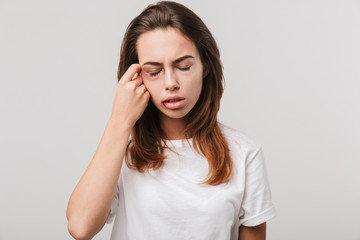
236 138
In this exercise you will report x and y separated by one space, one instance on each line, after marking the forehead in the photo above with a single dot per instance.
164 45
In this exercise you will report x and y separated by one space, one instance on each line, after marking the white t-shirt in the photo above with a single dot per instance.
169 203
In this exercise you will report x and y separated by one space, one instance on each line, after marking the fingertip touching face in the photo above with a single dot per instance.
171 70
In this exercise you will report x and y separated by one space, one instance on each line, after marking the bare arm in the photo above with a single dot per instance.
253 233
90 202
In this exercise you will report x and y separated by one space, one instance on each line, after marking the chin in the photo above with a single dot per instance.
177 114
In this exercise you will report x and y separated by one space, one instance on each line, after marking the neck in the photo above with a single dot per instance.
173 128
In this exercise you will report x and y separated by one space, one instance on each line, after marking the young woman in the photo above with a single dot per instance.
185 176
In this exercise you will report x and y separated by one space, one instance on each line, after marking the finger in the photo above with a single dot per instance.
147 95
130 72
138 81
142 88
135 76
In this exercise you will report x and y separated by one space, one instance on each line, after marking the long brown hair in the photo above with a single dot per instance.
146 148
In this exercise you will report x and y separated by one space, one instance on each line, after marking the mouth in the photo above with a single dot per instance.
173 103
173 100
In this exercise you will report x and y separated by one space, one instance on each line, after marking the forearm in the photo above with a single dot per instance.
90 202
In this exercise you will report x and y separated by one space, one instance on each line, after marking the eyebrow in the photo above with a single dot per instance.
180 59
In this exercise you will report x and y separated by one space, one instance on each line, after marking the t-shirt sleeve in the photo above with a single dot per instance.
114 206
257 207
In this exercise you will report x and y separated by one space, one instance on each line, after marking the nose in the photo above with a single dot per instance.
171 82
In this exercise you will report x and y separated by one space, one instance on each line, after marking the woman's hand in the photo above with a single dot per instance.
131 98
90 202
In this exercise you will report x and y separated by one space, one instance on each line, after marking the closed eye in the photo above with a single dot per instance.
184 69
154 74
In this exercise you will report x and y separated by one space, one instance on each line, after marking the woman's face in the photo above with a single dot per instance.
171 71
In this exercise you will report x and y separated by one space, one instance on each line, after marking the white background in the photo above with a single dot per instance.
292 71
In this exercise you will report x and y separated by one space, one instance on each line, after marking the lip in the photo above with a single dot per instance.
171 104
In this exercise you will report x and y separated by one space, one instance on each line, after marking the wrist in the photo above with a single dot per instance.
119 125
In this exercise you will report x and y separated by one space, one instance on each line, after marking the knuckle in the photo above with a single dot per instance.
147 94
141 87
133 86
129 86
133 66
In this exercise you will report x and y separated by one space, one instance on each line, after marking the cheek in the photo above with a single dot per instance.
198 88
197 83
148 85
152 89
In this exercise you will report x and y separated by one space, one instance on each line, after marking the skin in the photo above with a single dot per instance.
253 233
171 66
90 202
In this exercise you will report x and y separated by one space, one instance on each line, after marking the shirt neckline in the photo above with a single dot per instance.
178 142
